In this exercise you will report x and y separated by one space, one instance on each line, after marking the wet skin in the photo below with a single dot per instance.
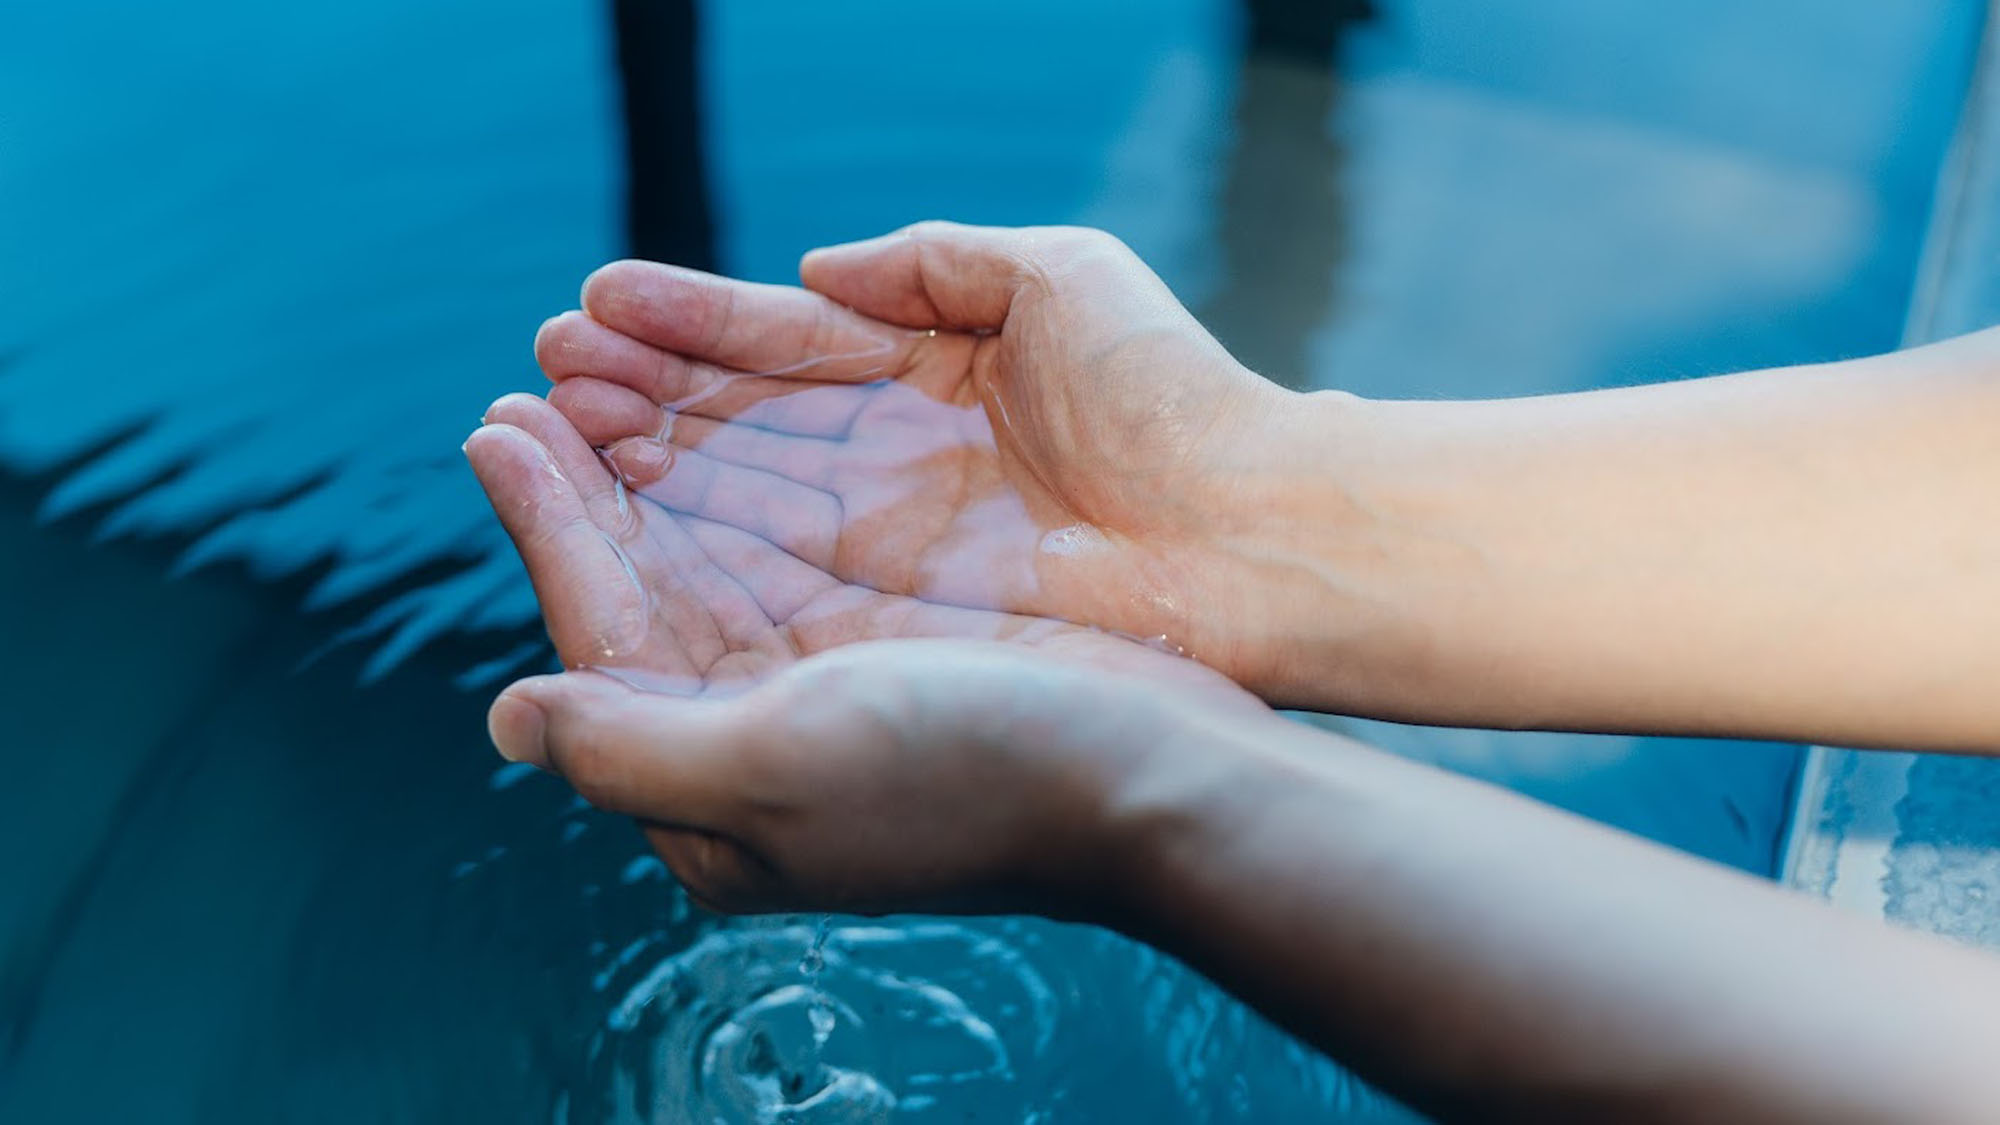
654 608
1025 421
865 679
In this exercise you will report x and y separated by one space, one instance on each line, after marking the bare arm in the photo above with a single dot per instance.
1809 554
1487 957
1480 955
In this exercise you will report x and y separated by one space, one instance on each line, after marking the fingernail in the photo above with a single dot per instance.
519 731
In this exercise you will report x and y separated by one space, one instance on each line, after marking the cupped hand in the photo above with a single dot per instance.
1015 420
933 776
665 617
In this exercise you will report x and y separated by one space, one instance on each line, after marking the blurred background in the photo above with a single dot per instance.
261 266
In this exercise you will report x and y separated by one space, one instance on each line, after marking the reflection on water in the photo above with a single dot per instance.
259 265
1277 278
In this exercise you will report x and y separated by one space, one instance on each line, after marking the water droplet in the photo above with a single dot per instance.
1075 541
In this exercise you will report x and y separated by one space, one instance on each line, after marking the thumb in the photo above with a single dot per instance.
941 275
663 758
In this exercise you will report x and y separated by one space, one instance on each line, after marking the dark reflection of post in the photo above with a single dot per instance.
667 212
1282 229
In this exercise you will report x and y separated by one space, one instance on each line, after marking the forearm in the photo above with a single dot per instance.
1809 554
1484 956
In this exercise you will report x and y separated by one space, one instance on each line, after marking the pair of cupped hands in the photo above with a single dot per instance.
880 593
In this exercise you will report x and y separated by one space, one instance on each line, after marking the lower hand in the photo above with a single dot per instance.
931 776
967 758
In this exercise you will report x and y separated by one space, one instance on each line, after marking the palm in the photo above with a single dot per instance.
672 601
1038 468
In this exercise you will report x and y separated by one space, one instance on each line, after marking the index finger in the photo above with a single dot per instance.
742 325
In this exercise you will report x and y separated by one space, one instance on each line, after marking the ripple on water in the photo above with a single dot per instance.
923 1021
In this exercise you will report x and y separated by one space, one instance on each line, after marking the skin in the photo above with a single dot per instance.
1791 554
641 597
1038 363
1481 956
825 653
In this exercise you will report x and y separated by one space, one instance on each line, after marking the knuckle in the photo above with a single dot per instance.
1064 254
1087 241
722 319
820 331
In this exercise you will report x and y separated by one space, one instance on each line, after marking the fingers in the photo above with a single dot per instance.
593 608
947 275
660 757
604 412
809 461
607 415
575 349
572 344
764 329
675 764
799 519
573 456
618 590
789 406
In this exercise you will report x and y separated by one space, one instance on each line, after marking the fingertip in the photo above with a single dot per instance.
624 281
596 276
495 440
509 408
562 448
559 338
814 261
518 473
546 329
834 253
521 715
518 727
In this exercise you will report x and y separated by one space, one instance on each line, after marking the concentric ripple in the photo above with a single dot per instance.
922 1021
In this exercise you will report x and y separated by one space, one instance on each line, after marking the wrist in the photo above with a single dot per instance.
1313 562
1196 788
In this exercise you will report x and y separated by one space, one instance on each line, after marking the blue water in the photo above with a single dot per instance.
260 265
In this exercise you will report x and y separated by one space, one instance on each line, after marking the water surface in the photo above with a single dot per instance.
261 265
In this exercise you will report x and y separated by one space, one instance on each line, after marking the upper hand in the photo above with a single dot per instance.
1017 420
